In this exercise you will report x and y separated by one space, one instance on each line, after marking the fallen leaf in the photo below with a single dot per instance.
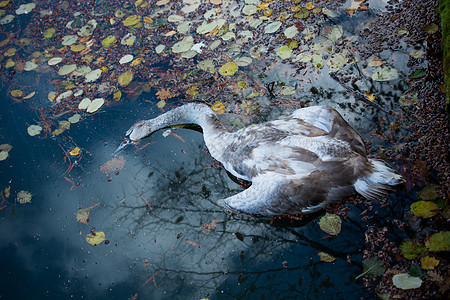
161 104
95 238
75 151
411 250
164 94
113 165
23 197
192 243
429 262
82 214
218 107
373 267
331 224
34 130
439 241
406 282
209 226
424 209
29 95
228 69
326 257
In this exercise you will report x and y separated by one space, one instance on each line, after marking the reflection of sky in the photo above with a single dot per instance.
44 252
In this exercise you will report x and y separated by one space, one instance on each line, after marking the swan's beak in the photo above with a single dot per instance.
126 142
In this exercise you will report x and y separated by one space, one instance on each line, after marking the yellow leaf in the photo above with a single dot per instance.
429 262
161 104
4 3
95 238
263 5
75 151
148 20
326 257
82 215
7 191
16 93
370 97
136 62
228 69
331 224
117 95
192 91
309 5
424 209
218 107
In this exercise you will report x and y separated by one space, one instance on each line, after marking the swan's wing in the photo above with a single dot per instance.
274 194
329 120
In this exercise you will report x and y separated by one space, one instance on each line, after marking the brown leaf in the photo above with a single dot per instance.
209 226
113 165
192 243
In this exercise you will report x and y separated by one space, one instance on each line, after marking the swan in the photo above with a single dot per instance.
297 165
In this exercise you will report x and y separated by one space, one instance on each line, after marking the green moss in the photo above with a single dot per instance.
444 9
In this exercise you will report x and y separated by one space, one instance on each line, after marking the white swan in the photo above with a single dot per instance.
298 164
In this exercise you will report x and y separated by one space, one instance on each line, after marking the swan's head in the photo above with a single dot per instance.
137 132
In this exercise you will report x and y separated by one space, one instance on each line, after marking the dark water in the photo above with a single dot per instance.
44 253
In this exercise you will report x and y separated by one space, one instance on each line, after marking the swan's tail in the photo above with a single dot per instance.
379 183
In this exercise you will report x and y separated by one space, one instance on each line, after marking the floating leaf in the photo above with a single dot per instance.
95 238
4 3
424 209
243 61
25 8
126 59
372 267
409 98
209 226
218 107
75 118
385 74
125 78
34 130
419 73
54 61
249 10
403 32
284 52
405 281
417 53
67 69
192 91
24 197
16 93
228 69
336 33
108 41
183 45
330 223
93 75
75 151
84 103
10 52
82 215
429 192
4 149
326 257
160 48
132 20
375 63
29 66
439 241
69 40
95 105
290 32
113 165
431 28
117 95
411 250
429 262
161 104
337 60
272 27
192 243
49 33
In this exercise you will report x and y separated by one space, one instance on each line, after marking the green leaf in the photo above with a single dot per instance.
439 241
411 250
419 73
424 209
331 224
429 192
373 267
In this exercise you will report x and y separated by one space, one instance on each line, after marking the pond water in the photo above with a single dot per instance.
165 235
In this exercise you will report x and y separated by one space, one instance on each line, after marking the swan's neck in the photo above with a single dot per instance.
200 114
